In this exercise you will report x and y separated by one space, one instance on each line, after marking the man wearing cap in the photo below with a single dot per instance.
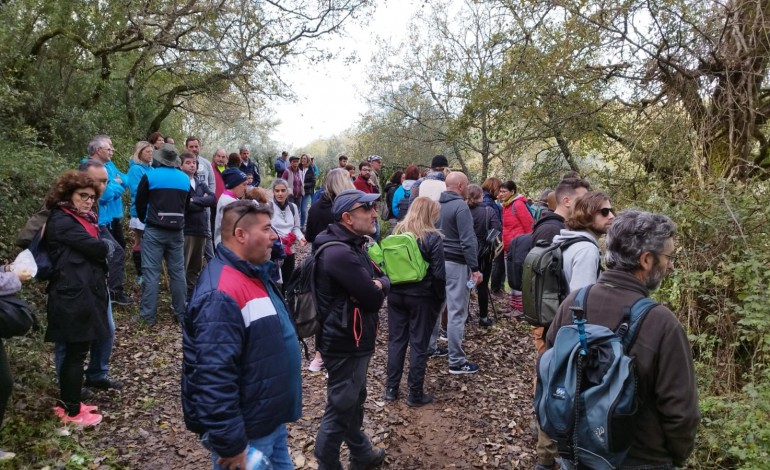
161 200
434 180
235 187
350 291
376 162
281 164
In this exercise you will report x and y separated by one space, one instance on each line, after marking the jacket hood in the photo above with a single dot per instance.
549 218
408 184
336 232
447 196
570 234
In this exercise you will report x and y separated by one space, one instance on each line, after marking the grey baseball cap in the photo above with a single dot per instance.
348 198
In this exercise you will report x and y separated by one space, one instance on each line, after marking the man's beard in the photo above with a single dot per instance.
655 278
366 176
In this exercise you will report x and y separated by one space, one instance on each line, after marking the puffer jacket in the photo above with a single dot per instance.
241 374
516 220
348 300
434 283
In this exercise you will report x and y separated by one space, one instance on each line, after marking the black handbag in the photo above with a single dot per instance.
16 317
492 243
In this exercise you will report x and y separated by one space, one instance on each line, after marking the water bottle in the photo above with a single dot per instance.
471 283
256 460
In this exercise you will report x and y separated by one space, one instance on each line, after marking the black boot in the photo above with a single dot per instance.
374 458
486 322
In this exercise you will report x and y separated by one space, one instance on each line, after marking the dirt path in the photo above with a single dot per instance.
477 421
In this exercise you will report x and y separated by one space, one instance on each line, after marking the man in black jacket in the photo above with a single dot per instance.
350 291
196 221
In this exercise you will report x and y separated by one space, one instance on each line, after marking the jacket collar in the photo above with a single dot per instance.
260 271
622 280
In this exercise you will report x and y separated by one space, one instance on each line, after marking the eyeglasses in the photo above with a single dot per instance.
605 211
672 257
87 196
366 205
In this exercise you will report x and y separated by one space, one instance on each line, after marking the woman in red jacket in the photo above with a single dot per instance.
516 221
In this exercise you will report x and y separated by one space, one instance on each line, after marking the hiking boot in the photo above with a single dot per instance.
391 393
416 401
104 384
486 322
438 352
374 458
82 419
316 365
467 368
59 411
120 298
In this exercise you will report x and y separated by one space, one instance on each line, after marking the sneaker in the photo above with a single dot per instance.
418 401
467 368
517 315
442 335
82 419
121 298
316 365
148 323
104 384
391 393
374 458
439 352
59 411
5 456
486 322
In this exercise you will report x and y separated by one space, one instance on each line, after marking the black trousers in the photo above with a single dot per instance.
498 273
287 268
410 323
6 381
344 415
71 376
116 229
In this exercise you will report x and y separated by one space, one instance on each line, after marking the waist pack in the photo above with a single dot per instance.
16 317
402 260
301 295
543 285
586 387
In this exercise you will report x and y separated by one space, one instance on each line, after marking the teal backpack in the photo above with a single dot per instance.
401 258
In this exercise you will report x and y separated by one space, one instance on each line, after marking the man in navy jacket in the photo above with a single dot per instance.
241 379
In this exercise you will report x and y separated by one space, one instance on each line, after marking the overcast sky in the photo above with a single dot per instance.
330 95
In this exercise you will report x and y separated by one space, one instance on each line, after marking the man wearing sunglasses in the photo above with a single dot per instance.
241 379
350 290
591 217
640 253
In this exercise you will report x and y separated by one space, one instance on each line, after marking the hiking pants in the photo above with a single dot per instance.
483 289
194 248
457 297
71 377
410 322
498 273
158 245
344 415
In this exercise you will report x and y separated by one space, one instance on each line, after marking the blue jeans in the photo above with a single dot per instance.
100 352
304 205
159 245
275 446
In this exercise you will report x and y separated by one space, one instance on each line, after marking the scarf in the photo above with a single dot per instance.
89 220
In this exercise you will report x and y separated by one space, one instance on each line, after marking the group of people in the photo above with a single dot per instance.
229 246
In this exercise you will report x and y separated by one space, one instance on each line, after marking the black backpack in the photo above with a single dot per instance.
301 295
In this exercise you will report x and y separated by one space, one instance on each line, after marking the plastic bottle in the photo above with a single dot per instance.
256 460
471 283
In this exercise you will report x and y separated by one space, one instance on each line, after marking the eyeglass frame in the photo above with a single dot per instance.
86 196
605 211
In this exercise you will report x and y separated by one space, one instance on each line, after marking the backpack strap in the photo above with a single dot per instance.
638 313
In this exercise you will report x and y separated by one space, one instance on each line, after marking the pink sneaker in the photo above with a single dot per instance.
83 419
83 409
316 364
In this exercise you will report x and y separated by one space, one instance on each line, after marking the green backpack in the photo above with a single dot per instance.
402 260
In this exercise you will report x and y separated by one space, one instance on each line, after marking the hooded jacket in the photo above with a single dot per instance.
399 204
241 361
581 262
516 220
456 222
348 300
668 416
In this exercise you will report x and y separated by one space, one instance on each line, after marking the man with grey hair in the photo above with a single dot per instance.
249 167
640 252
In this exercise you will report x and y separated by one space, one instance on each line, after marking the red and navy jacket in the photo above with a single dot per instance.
241 368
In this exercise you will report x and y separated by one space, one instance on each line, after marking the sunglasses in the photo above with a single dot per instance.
366 205
243 208
87 196
605 211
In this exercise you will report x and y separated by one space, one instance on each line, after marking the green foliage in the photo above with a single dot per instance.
26 175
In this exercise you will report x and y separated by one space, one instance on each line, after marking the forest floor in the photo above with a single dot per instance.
476 421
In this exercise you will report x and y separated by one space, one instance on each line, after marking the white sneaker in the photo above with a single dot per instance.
316 364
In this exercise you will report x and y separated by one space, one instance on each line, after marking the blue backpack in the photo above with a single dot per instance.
586 387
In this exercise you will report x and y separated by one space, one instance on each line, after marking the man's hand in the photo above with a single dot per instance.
303 242
118 180
378 284
477 277
233 463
